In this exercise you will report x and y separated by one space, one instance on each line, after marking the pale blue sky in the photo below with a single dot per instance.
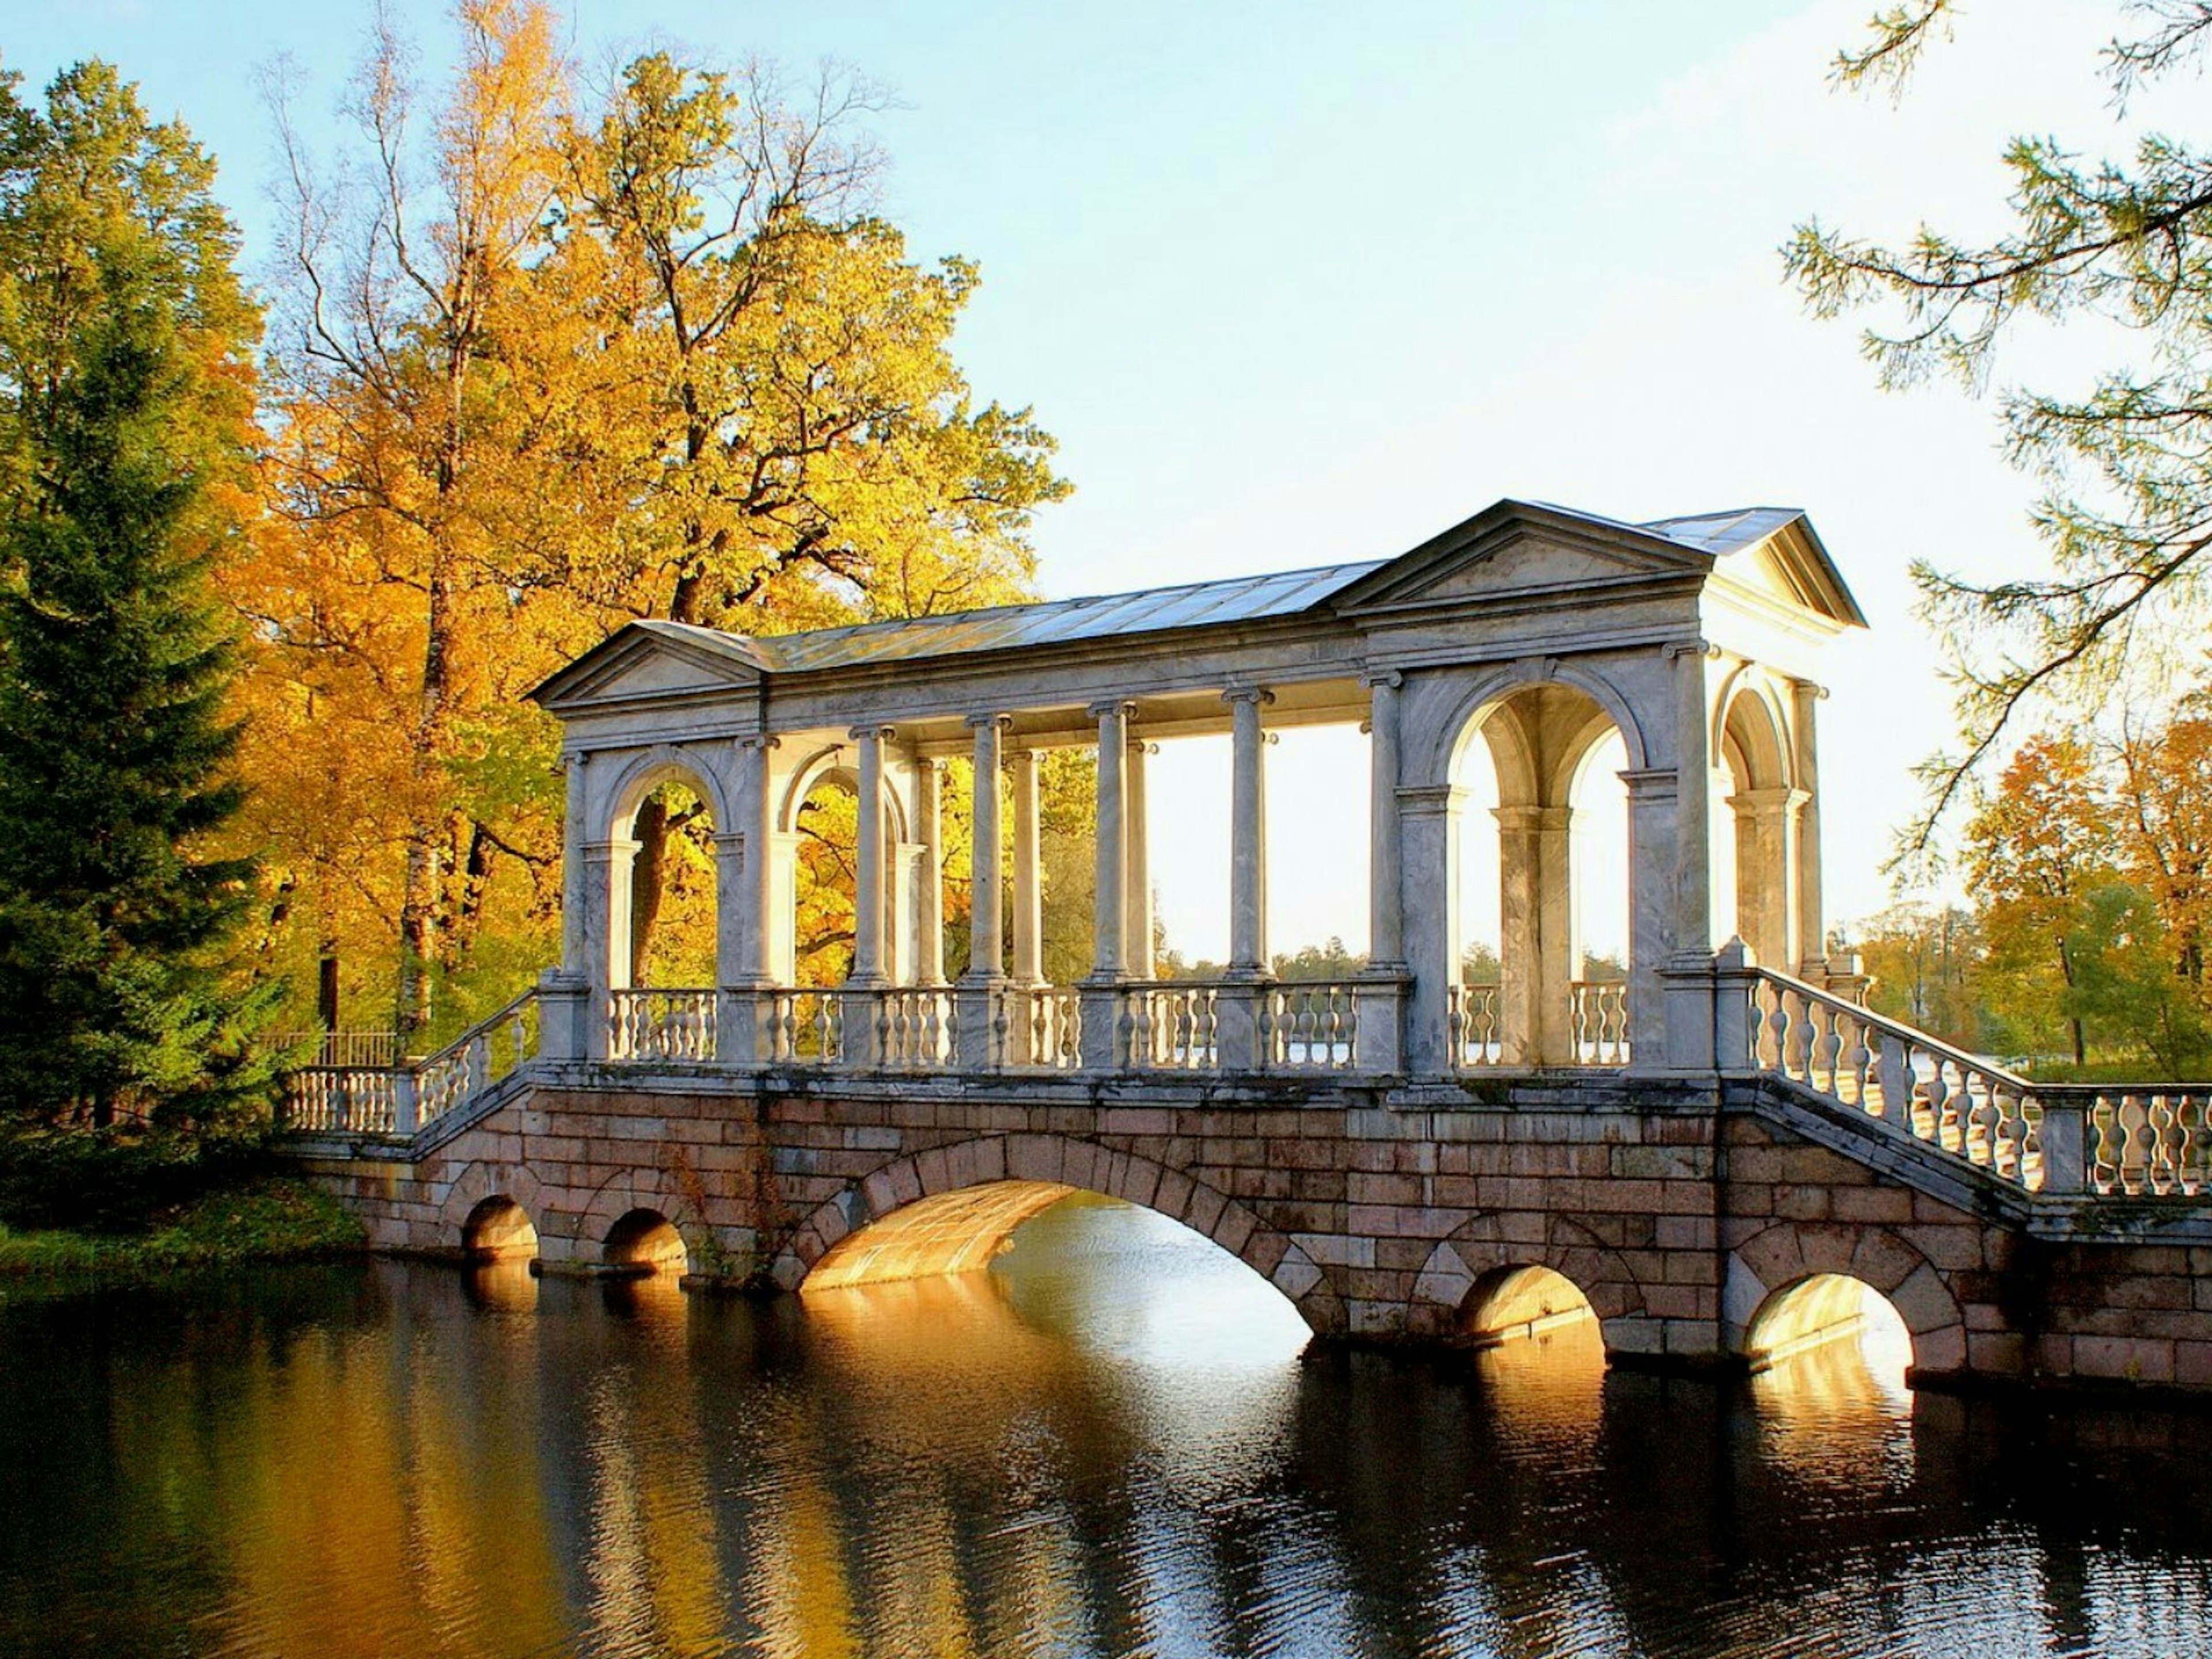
1298 282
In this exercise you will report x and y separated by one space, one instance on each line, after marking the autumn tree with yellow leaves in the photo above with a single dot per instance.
544 362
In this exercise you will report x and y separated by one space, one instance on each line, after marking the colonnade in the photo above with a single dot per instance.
1759 767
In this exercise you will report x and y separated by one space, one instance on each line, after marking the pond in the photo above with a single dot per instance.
1110 1443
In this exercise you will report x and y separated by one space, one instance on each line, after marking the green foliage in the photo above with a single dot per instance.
2126 516
260 1218
115 664
117 1181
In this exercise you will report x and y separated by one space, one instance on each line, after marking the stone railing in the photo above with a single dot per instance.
1311 1025
1921 1088
1055 1026
805 1028
1478 1030
1175 1025
343 1048
914 1028
2140 1139
1597 1019
399 1099
647 1023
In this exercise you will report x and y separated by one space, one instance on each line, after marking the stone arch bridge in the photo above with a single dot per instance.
1705 1145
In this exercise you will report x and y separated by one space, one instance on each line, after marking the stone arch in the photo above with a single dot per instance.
478 1183
646 1239
1078 1166
1465 716
664 763
1752 731
1789 1253
828 765
1486 1245
628 1190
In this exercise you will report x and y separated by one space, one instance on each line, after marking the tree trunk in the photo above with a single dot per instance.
651 835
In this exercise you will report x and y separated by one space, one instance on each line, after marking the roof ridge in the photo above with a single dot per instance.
1347 565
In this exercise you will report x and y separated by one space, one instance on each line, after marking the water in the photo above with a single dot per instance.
1108 1444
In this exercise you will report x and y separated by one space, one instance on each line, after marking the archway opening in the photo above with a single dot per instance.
1539 882
1516 1304
1829 1328
499 1230
672 901
1750 831
1058 1259
647 1242
825 881
953 1232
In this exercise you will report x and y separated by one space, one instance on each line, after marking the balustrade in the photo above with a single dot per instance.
1921 1088
1598 1019
401 1098
649 1023
2141 1141
1477 1037
1311 1025
1176 1025
914 1028
806 1028
1055 1019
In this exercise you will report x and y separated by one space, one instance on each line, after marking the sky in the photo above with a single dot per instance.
1295 283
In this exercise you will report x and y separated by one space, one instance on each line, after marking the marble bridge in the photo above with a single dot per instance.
1712 1154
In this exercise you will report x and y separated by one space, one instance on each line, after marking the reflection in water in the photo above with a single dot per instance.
1111 1442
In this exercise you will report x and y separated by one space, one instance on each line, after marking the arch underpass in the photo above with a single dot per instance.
953 1232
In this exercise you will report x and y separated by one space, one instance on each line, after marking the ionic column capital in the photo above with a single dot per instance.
766 742
1388 679
1705 648
1248 694
1119 708
876 732
996 722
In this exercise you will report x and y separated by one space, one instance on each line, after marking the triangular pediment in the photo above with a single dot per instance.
652 662
1792 569
1520 550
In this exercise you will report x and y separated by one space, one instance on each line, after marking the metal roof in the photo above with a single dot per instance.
1193 605
1054 622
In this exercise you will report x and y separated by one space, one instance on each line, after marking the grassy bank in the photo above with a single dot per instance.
262 1218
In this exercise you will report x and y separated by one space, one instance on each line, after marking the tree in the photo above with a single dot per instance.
2037 850
124 401
403 287
1926 962
556 364
2126 513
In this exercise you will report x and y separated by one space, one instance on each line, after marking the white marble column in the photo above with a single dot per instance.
1812 923
986 927
868 964
1693 919
929 875
1107 961
1764 884
757 802
576 872
1536 934
1386 935
1651 907
1429 825
1137 894
1248 833
1028 892
729 903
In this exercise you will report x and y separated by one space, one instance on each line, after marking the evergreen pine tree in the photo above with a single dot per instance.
126 394
114 661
